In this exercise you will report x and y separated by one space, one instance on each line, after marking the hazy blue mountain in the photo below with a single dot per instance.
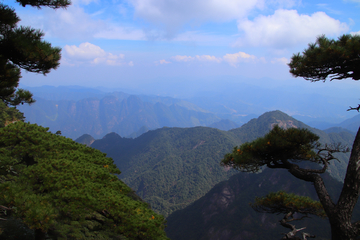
351 124
224 124
172 167
238 103
85 139
244 99
141 131
117 112
224 212
69 93
338 130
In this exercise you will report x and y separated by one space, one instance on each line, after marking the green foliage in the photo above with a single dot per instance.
48 3
9 115
170 167
23 47
283 202
337 59
67 189
275 149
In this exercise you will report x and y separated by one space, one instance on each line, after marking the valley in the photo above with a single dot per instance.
169 150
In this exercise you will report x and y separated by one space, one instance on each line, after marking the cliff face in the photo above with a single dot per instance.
224 212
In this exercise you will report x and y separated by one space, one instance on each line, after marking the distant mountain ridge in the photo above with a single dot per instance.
118 113
234 104
172 167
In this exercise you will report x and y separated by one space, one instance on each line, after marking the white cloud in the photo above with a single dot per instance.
287 28
90 53
172 14
234 58
180 58
72 23
355 33
208 58
202 58
161 62
164 61
75 23
282 60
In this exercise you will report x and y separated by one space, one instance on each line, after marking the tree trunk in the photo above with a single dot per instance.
340 217
343 231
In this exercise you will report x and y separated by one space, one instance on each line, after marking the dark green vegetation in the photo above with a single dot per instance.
224 212
294 208
23 48
64 189
282 148
283 202
126 115
9 114
328 59
172 167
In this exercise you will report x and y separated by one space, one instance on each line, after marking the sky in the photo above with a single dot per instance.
139 44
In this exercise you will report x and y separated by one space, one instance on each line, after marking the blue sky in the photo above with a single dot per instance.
134 44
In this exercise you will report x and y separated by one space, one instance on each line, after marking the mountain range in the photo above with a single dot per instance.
170 168
77 110
118 113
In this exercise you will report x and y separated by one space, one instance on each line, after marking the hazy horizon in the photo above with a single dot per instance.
187 49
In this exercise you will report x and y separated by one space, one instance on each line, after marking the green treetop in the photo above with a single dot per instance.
280 148
287 148
63 189
328 58
289 204
23 48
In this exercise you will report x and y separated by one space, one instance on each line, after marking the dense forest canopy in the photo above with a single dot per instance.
66 189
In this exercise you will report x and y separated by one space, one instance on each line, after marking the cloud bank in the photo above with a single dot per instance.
287 28
90 53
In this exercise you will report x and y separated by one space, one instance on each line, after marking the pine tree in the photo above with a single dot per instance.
23 48
289 204
328 59
286 149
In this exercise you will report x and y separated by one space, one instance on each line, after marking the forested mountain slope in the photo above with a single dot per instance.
224 212
172 167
